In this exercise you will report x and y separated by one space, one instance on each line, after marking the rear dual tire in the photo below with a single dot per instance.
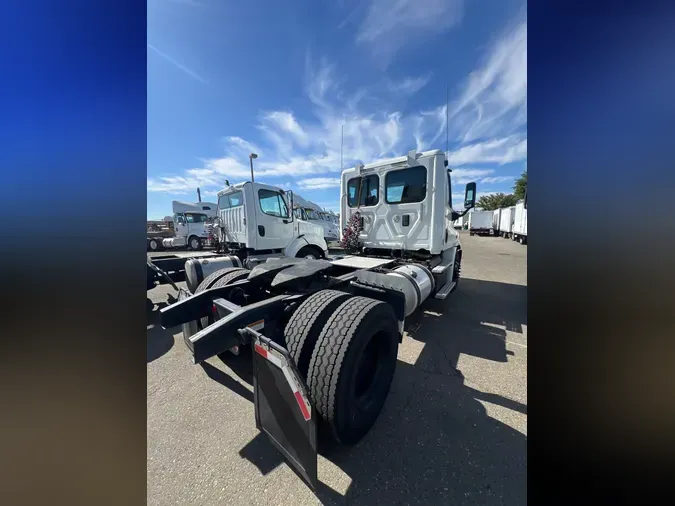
353 343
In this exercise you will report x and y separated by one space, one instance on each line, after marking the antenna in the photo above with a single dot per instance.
342 141
447 121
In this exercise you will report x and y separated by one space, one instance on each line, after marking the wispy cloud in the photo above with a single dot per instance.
308 148
182 67
495 95
386 26
319 183
409 85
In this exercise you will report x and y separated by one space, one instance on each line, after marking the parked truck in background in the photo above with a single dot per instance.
312 213
506 221
325 331
480 223
255 222
190 227
519 232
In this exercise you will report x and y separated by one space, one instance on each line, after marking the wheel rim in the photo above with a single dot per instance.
153 245
194 243
310 257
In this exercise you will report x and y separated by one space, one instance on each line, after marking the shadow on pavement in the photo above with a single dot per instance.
433 443
160 340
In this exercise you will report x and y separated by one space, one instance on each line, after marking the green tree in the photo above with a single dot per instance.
520 186
496 201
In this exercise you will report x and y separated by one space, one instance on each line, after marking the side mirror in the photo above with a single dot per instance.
470 196
525 201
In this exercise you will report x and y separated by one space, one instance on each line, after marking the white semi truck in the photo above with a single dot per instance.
190 227
312 213
325 332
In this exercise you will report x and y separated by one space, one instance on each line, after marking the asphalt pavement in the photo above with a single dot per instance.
453 429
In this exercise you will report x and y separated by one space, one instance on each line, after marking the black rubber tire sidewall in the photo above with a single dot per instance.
305 325
332 370
211 279
347 428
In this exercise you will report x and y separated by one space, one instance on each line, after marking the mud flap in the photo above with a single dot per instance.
282 407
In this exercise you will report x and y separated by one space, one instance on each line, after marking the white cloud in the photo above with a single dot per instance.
499 151
409 85
462 176
497 179
286 123
389 26
309 147
189 72
495 96
319 183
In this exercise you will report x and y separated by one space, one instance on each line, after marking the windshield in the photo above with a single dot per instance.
312 214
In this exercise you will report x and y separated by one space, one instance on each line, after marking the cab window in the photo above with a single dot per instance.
369 189
272 203
406 185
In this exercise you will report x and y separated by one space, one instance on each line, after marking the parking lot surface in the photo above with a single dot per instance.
453 429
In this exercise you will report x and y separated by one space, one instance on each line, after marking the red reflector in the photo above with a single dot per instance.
260 350
214 309
303 407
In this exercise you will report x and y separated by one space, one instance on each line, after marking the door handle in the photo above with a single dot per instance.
261 230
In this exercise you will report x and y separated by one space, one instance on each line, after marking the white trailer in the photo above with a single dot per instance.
519 232
480 223
496 216
506 221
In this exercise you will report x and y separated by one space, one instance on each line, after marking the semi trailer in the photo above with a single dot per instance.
324 332
480 223
519 232
506 221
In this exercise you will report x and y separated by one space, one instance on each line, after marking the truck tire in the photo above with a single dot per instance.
209 280
307 322
234 274
352 367
231 277
194 243
522 239
153 245
312 252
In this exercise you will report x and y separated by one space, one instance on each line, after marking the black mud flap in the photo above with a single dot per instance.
282 407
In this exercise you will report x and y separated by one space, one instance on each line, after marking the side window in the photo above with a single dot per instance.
180 219
224 202
272 203
449 190
236 199
369 191
190 218
206 208
406 185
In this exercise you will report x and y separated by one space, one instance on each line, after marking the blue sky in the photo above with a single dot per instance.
226 78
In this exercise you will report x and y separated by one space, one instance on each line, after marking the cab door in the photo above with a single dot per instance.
180 225
274 228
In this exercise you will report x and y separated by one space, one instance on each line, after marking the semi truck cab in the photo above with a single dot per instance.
255 218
